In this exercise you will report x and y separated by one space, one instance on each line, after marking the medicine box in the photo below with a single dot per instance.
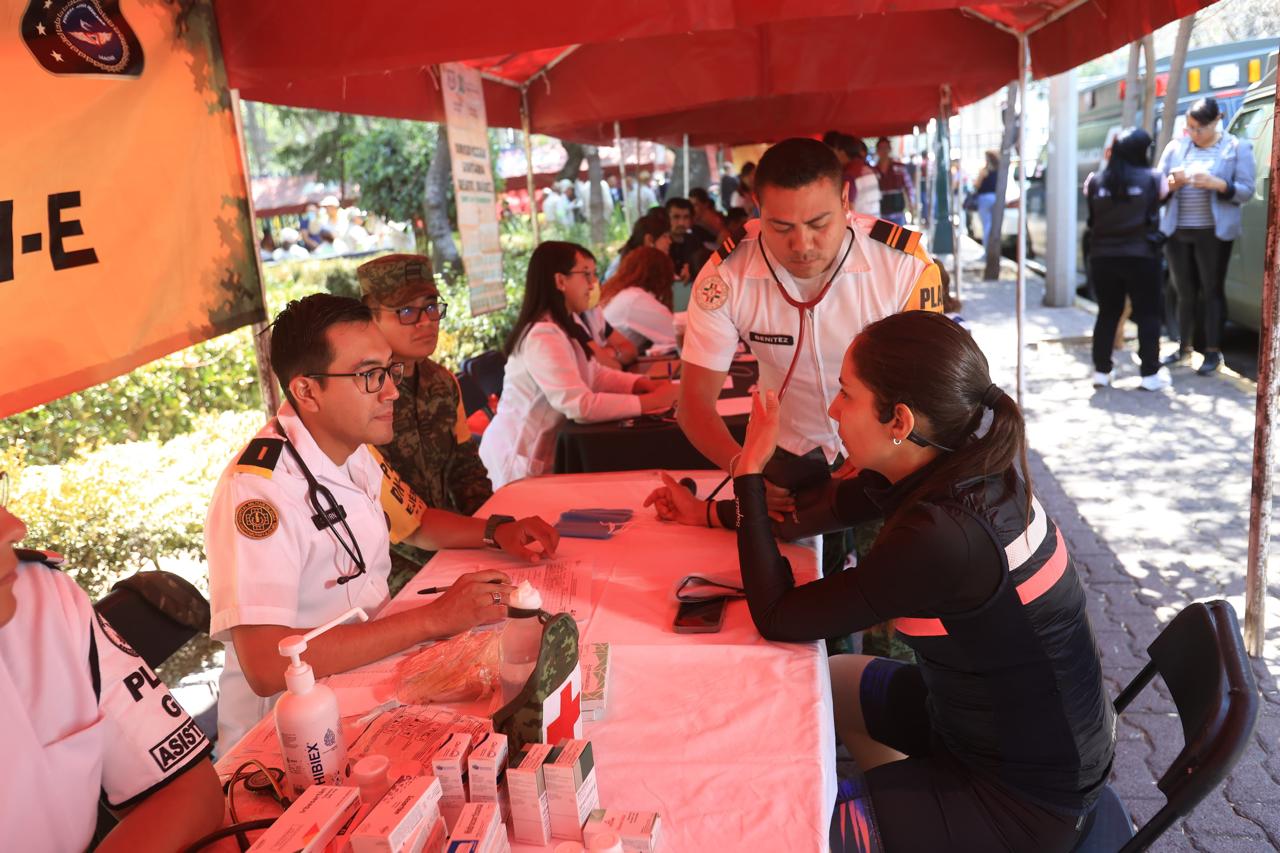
479 830
639 831
450 767
571 787
487 773
311 822
412 802
527 788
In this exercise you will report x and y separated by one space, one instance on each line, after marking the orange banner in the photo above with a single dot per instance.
124 224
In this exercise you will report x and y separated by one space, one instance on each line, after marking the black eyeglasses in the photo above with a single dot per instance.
374 377
591 275
410 315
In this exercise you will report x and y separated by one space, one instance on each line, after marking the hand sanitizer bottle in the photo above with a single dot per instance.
521 640
307 718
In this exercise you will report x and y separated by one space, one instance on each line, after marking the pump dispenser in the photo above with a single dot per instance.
307 718
521 640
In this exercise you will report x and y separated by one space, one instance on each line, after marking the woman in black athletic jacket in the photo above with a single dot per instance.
1001 737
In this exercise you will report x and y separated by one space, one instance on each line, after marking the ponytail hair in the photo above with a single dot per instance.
932 366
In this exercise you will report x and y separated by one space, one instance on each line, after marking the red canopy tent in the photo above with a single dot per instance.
722 70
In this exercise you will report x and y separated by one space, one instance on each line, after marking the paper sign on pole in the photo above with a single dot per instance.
124 218
473 186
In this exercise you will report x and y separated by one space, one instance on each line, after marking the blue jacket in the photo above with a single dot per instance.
1234 165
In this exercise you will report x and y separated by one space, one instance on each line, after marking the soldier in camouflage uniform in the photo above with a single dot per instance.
432 448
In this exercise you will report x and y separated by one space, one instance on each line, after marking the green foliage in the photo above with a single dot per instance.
130 506
389 160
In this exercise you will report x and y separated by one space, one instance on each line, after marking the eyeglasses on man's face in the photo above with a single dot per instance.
411 315
373 378
591 275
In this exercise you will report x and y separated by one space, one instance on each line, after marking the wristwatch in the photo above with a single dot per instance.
491 528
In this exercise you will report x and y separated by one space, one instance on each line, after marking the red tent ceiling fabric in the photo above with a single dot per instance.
723 71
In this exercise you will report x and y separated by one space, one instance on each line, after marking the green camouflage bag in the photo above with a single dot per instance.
549 706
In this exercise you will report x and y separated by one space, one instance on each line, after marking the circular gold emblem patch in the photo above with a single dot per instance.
257 519
711 292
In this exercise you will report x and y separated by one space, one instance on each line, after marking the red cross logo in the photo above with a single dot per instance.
570 710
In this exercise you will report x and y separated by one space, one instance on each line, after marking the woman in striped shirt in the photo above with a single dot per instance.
1211 174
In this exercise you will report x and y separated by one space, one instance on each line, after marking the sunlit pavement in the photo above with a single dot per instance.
1151 491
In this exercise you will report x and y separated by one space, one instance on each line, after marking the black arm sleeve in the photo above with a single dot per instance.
824 508
925 563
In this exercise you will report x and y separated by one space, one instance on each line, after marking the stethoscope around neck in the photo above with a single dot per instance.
801 307
327 517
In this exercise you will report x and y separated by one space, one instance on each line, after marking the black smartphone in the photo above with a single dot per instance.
700 617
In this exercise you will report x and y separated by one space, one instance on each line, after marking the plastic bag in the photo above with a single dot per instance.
459 669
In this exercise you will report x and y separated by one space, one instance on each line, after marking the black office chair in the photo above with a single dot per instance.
156 612
1202 660
487 370
473 399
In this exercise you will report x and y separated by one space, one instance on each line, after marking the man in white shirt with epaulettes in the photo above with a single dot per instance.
804 239
301 521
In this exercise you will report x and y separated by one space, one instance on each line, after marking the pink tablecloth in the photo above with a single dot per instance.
728 736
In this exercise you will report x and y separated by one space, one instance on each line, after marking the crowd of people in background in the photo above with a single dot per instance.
329 230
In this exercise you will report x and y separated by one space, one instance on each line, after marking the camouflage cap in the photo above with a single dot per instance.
396 280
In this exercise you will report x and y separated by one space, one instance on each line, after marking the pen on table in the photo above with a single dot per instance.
432 590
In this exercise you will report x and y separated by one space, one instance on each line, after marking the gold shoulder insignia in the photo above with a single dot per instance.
260 457
895 236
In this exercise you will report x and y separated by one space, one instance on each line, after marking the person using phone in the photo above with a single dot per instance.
1001 737
1211 175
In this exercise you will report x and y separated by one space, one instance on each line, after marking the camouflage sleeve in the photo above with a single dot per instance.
468 480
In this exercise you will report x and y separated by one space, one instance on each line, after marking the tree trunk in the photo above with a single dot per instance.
992 271
1149 87
595 198
1176 65
257 146
1129 109
573 165
444 252
699 171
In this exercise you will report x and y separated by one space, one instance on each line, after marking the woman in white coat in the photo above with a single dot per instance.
637 301
551 375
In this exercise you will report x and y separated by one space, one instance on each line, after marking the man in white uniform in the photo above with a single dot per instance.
83 718
806 278
302 519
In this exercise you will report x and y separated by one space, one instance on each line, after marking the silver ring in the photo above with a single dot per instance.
497 598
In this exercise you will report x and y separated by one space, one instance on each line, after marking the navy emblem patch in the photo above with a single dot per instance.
81 37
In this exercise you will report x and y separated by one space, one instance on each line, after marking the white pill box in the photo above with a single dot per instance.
527 789
410 804
450 766
571 787
639 831
479 830
487 773
311 822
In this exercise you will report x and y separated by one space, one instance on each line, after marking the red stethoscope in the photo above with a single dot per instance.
801 307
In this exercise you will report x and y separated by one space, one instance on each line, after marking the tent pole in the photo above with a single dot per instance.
262 354
1255 600
622 175
525 125
955 216
1023 61
686 165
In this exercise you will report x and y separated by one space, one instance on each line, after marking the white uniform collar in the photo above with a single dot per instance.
855 262
321 466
